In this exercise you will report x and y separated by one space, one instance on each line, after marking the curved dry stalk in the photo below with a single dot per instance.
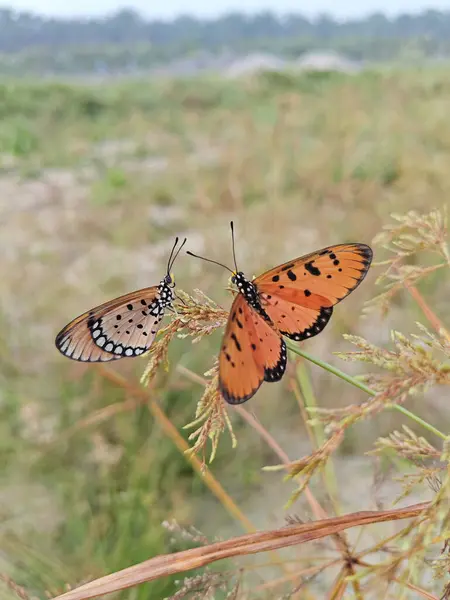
253 543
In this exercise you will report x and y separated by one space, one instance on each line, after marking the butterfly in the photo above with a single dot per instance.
295 300
120 328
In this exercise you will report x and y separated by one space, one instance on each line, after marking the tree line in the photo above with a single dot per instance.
20 30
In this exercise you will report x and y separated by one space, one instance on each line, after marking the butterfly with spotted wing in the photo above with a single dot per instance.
295 300
120 328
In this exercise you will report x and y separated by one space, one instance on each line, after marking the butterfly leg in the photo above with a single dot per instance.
180 299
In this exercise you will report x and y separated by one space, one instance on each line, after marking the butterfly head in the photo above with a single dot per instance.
237 278
246 288
169 280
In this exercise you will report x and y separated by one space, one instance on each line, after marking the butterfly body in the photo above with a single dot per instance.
295 300
121 328
250 292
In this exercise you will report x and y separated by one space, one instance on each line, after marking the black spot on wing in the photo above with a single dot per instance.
292 276
236 342
309 266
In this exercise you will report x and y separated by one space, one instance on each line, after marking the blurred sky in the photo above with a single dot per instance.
212 8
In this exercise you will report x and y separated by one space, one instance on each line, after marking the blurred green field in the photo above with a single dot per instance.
96 180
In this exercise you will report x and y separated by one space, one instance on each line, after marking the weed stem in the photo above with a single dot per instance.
363 387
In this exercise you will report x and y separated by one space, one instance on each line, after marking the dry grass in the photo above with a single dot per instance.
410 368
112 455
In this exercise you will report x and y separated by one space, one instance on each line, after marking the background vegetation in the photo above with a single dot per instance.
95 182
126 42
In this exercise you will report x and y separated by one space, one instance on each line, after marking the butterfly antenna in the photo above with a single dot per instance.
232 243
209 260
171 254
170 265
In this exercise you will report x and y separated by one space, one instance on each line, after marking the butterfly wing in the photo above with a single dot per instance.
119 328
252 352
299 295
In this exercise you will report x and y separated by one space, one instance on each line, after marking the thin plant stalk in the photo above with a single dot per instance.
309 398
364 388
427 311
339 538
172 432
317 509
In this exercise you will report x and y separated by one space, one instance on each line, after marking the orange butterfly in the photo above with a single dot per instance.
120 328
296 300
